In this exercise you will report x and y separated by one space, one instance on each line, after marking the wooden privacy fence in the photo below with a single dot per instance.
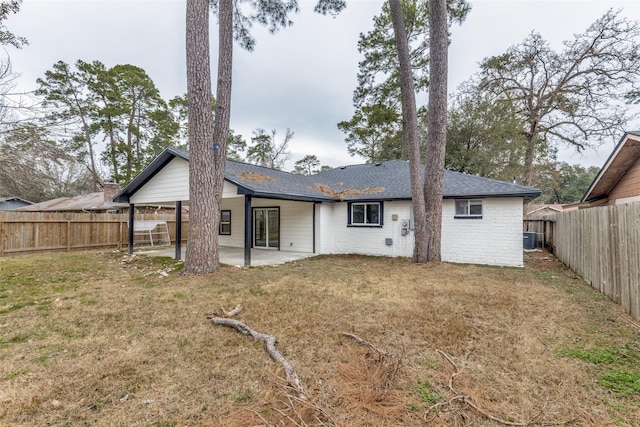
544 228
603 246
24 232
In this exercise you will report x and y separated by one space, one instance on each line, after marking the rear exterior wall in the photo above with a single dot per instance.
296 223
494 239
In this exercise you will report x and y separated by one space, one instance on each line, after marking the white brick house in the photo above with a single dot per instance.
360 209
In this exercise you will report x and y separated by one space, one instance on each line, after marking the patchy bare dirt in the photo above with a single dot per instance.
104 339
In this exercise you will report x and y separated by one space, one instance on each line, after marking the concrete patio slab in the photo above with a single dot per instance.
235 256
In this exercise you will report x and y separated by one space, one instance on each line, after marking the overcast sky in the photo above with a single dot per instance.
301 78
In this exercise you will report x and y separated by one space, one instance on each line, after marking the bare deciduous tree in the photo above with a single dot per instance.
35 167
572 97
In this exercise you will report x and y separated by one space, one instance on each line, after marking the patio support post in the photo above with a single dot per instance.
178 229
248 218
132 212
314 225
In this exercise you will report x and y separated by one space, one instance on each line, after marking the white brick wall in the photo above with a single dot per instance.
496 239
339 239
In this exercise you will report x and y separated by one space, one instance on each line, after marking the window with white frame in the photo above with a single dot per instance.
365 214
469 208
225 223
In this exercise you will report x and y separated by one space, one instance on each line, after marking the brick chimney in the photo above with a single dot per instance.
110 190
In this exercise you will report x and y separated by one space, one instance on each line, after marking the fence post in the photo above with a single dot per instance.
68 235
131 220
120 232
2 238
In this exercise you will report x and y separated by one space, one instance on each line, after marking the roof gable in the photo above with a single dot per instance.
624 155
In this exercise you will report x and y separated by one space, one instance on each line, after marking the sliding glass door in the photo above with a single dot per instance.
266 228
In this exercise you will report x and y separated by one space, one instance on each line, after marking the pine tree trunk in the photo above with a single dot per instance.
437 128
202 245
410 132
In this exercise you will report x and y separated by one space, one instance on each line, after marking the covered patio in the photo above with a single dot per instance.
266 216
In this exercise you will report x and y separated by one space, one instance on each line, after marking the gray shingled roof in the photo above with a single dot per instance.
259 180
390 180
372 181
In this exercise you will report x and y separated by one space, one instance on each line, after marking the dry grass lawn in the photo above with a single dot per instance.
100 338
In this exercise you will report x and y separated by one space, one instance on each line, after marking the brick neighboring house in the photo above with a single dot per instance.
359 209
618 181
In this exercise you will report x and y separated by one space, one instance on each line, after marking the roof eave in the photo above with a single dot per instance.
605 168
280 196
526 195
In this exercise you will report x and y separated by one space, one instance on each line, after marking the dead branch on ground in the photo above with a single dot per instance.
270 342
459 397
231 313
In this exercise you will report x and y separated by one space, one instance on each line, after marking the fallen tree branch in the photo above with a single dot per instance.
364 343
231 313
270 341
467 399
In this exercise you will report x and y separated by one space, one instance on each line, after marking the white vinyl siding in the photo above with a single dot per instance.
170 184
296 223
236 238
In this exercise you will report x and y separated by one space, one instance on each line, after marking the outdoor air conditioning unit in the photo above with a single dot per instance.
529 242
